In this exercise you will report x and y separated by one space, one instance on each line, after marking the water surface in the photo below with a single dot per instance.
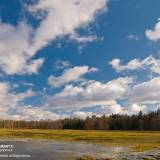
57 150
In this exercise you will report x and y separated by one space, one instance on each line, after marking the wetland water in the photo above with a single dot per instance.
55 150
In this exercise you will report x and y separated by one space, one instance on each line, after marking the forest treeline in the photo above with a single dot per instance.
141 121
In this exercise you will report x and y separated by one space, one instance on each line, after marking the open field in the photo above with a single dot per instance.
139 141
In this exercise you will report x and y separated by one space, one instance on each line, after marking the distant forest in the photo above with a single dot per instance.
141 121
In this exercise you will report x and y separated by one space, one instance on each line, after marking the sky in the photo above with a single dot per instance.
78 58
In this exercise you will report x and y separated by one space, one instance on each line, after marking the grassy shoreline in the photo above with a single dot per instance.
139 140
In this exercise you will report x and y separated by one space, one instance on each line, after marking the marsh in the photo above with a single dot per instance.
33 144
57 150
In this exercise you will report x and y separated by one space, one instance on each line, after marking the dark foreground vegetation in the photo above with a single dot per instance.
141 121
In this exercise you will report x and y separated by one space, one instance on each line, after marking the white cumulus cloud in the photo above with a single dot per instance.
149 63
70 75
91 93
18 44
145 93
15 50
154 34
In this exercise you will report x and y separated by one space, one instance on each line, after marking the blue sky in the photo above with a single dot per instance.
76 58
